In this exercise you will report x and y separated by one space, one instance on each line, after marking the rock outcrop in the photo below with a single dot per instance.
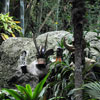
11 48
91 38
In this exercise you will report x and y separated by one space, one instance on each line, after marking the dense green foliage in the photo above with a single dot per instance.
51 15
55 15
93 15
8 25
25 93
93 89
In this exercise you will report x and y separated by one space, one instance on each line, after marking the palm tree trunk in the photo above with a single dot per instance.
78 11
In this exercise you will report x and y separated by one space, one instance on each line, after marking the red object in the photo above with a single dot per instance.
58 59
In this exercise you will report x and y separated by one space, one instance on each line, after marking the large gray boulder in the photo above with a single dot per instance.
11 49
94 44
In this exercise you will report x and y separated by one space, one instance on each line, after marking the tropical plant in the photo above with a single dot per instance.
2 96
93 89
26 93
5 96
8 26
59 83
61 43
61 79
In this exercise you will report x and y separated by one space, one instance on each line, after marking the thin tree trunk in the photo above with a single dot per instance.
6 6
57 14
41 11
22 15
78 11
29 11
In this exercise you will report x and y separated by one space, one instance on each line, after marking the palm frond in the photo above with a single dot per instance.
93 89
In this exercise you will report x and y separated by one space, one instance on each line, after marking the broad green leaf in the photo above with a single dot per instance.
74 90
5 26
4 36
24 91
93 89
29 89
9 30
39 87
14 94
13 35
8 24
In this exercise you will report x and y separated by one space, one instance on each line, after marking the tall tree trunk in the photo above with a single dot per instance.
6 6
58 4
78 12
29 12
22 15
41 11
